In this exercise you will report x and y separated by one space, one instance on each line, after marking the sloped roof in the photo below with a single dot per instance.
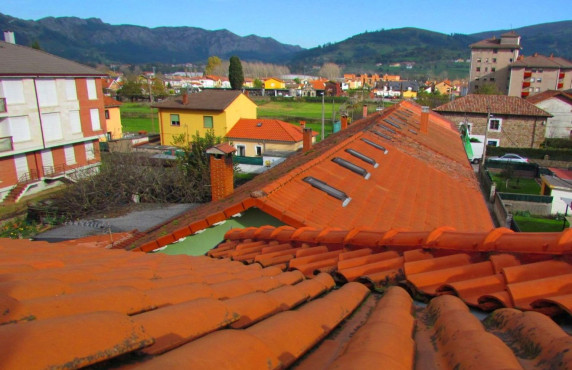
266 129
18 60
541 61
318 84
493 43
497 104
78 306
214 100
548 94
110 102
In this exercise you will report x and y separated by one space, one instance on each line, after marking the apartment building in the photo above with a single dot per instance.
538 73
490 61
51 118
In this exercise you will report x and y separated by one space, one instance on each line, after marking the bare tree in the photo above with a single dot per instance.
330 71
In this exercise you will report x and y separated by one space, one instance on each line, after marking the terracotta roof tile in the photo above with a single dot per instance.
266 129
213 100
496 104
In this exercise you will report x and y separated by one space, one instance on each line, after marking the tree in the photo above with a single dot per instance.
330 71
131 88
212 63
258 84
488 89
36 45
158 89
235 75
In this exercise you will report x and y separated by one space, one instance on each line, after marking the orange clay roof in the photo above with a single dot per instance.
110 102
422 181
70 307
266 129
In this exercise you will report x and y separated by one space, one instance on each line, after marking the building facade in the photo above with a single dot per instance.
559 104
51 118
538 73
490 60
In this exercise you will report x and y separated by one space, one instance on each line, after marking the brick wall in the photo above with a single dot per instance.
222 176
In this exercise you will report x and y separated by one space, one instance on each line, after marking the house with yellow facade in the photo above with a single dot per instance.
112 118
274 83
189 114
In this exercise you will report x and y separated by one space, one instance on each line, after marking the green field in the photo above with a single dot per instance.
136 117
516 185
538 224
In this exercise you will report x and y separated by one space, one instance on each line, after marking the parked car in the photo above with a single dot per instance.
509 157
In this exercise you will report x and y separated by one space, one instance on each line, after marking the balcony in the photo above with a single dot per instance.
561 75
560 85
6 144
3 108
524 94
525 84
527 74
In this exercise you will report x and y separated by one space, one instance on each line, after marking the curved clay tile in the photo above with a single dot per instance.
432 264
252 308
21 290
382 278
501 261
298 262
403 237
496 300
73 341
362 257
288 296
179 293
283 233
332 236
524 293
175 325
317 285
355 254
533 271
302 252
369 268
428 282
276 248
533 243
471 290
456 240
386 337
554 305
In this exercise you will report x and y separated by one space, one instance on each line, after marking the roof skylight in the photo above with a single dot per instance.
330 190
352 167
363 157
382 135
375 145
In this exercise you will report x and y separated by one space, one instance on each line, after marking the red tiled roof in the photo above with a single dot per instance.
318 84
215 100
222 148
496 104
542 61
548 94
493 43
562 173
73 306
110 102
266 129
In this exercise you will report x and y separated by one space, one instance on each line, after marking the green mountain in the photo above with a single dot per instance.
92 41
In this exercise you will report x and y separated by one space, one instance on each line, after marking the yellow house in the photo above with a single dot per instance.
409 94
274 83
190 114
112 118
444 87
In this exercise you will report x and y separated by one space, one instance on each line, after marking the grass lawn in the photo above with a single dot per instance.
516 185
537 224
136 117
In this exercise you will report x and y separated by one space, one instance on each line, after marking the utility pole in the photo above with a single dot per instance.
486 134
323 93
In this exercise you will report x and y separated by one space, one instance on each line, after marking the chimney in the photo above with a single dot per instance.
246 92
344 121
222 170
307 140
364 110
424 122
303 124
9 37
185 99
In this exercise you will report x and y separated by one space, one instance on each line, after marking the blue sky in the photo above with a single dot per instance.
307 23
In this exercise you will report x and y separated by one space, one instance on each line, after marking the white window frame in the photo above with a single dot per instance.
47 92
89 150
238 148
496 141
495 119
95 121
91 89
71 90
14 91
20 129
52 126
69 155
256 148
75 121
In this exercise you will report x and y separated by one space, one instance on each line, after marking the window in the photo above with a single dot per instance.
208 121
478 60
493 69
510 60
47 93
539 79
494 60
258 149
3 105
495 124
532 79
91 89
492 79
69 154
495 51
95 123
175 120
107 114
13 92
89 151
537 89
241 149
71 92
486 69
487 60
75 121
19 129
540 71
493 142
478 69
52 126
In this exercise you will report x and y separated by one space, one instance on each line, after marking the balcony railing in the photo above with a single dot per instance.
3 108
561 75
524 94
6 144
527 74
526 84
560 85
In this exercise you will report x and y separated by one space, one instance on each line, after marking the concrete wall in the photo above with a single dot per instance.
561 124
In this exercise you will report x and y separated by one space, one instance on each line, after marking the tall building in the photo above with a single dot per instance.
538 73
51 118
490 61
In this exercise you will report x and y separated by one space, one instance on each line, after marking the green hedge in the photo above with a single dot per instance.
557 143
312 99
532 153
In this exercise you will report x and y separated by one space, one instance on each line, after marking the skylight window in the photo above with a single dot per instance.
375 145
363 157
382 135
392 123
387 129
330 190
352 167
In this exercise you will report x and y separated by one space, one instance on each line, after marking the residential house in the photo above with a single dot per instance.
558 184
538 73
506 121
353 81
255 137
369 79
444 87
319 86
51 118
333 88
396 89
387 77
559 105
308 293
191 114
112 115
273 83
490 61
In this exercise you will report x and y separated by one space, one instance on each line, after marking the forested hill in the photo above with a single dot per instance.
92 41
